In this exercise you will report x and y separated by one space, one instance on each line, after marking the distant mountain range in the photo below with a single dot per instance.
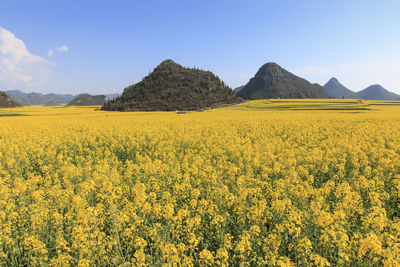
171 86
273 81
374 92
38 99
29 99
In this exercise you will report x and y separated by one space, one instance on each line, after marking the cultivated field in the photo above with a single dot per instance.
274 182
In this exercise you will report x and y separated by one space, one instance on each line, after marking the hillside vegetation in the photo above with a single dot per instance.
88 100
173 87
7 102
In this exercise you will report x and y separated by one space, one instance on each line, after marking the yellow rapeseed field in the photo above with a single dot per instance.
278 183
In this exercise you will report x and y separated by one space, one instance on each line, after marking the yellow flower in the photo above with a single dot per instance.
206 257
268 182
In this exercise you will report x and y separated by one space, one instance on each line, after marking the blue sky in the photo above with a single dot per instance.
97 46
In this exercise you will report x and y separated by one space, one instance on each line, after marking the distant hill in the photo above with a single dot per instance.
374 92
335 89
88 100
238 89
7 102
29 99
377 92
272 81
173 87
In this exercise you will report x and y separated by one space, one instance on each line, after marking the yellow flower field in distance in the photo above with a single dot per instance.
267 182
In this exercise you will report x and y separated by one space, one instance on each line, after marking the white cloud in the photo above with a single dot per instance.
18 67
61 49
357 76
50 53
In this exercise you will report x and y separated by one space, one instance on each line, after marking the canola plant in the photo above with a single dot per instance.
281 183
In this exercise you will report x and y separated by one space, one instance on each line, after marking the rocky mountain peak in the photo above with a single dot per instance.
273 81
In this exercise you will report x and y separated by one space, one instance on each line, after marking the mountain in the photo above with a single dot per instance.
272 81
7 102
377 92
88 100
335 89
238 89
28 99
374 92
173 87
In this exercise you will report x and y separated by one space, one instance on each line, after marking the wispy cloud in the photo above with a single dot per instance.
61 49
18 67
358 75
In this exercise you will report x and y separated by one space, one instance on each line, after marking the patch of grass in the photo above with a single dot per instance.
12 115
304 105
338 109
385 104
